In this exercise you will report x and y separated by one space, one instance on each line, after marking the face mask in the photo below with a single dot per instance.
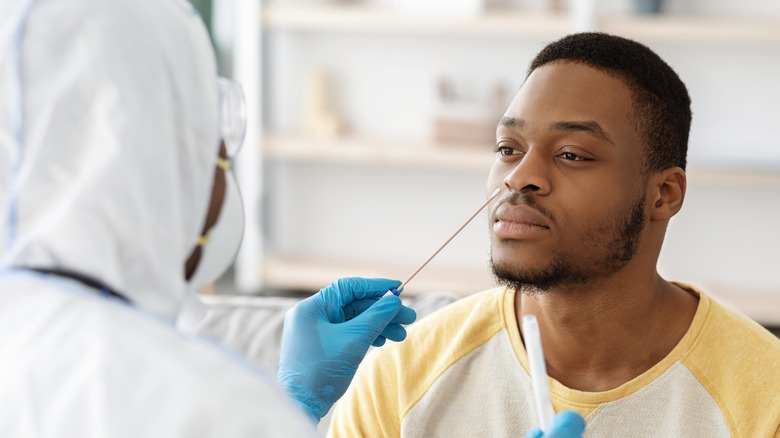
220 246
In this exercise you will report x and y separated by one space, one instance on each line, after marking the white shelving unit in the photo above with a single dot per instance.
518 24
362 19
304 271
299 272
359 151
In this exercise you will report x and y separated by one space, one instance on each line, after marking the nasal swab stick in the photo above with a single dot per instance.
539 383
498 190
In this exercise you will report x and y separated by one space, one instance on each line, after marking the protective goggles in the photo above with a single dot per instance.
220 245
232 117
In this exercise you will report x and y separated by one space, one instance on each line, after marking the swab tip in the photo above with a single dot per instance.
392 291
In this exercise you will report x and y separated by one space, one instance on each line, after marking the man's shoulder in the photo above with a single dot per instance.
396 376
443 337
727 338
488 297
437 341
738 334
459 321
736 360
729 331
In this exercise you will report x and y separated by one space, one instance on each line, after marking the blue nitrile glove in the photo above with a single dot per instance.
327 335
567 424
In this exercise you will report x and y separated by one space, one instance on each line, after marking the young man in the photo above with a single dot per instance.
590 157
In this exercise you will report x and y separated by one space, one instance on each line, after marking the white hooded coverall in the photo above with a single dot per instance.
108 136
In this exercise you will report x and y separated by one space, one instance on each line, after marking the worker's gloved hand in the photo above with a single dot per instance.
567 424
327 335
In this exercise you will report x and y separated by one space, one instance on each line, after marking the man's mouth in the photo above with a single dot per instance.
519 222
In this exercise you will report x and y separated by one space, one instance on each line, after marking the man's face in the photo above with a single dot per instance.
570 164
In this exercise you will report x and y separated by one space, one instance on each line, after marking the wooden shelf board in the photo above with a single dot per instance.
359 151
308 273
737 177
663 27
693 29
763 306
377 20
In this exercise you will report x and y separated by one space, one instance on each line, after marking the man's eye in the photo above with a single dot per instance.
573 157
504 151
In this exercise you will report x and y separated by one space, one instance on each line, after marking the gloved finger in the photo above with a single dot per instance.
331 300
378 342
535 433
394 332
406 315
357 288
357 307
373 320
567 424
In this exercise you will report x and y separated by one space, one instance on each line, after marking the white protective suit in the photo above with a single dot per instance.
108 140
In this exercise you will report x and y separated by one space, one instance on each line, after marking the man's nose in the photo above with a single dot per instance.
531 174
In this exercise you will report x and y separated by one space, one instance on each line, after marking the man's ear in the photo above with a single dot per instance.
668 192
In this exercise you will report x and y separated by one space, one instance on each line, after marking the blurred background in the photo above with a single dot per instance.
372 124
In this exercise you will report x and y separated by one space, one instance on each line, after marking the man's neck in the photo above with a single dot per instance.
600 335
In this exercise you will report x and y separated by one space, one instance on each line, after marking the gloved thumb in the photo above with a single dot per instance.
373 320
567 424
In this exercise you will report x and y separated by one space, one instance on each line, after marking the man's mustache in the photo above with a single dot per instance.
518 198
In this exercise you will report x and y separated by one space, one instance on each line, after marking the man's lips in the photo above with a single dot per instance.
519 222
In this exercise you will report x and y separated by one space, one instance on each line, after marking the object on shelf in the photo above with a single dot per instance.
440 8
321 120
584 15
647 6
528 6
461 119
556 6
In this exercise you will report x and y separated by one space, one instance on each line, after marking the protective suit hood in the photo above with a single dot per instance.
108 136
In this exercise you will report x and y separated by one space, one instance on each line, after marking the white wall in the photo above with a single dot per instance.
726 235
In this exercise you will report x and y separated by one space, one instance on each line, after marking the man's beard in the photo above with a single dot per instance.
609 255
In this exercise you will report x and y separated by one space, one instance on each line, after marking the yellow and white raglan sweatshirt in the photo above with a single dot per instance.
463 372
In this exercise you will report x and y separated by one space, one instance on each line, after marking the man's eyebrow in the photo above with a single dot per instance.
511 122
589 126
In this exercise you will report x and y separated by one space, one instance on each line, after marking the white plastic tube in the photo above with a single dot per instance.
539 382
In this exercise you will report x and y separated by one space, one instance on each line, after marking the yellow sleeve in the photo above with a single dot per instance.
394 377
370 407
738 362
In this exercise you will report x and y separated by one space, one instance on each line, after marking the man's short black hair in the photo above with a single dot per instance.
661 105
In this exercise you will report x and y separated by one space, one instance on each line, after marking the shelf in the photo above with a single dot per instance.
673 28
351 150
745 177
307 273
375 20
763 306
684 29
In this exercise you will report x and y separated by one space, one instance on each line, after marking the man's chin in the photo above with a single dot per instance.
531 278
519 264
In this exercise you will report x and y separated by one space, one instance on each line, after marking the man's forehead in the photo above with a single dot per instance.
565 92
567 70
573 79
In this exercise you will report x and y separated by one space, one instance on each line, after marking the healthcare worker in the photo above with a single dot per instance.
116 199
